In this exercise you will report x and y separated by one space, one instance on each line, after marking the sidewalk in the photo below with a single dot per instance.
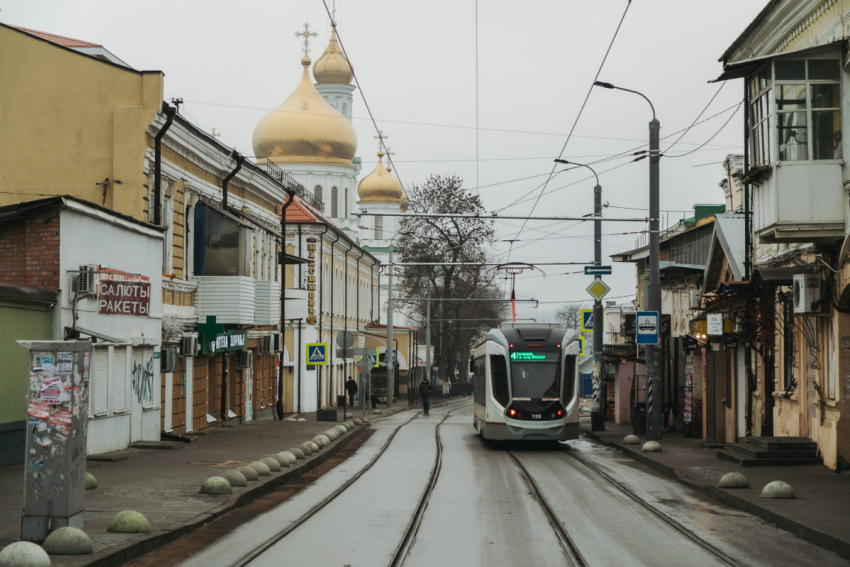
820 513
163 483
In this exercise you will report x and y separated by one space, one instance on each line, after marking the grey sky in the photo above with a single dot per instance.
233 61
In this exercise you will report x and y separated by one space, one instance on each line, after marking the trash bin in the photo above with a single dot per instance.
340 401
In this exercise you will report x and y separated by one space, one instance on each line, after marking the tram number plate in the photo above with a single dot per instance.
536 416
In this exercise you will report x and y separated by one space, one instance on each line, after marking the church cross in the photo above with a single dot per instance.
306 34
381 137
389 154
215 134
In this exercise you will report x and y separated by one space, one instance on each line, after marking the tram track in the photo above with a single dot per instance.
259 550
569 547
416 519
693 537
410 532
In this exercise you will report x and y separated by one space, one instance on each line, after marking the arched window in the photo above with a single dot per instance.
334 209
379 228
346 202
317 192
344 110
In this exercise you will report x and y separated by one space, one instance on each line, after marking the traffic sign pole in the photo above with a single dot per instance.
597 410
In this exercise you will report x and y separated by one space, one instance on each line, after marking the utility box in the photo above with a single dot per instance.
55 470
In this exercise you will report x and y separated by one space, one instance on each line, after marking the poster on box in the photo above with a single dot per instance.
51 390
688 417
38 410
64 362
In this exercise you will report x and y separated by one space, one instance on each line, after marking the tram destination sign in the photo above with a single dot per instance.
534 356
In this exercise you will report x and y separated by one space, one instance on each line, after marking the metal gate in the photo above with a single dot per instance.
189 383
741 391
811 393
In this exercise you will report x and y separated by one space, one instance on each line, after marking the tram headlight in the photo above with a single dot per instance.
513 413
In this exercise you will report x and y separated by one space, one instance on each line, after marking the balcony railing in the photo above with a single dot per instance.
287 181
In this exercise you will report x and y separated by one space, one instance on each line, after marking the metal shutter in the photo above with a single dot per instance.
99 380
169 394
741 391
811 393
190 367
119 380
710 433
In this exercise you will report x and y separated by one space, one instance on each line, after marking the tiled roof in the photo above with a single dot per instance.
302 212
58 39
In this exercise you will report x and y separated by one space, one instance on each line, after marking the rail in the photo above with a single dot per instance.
289 182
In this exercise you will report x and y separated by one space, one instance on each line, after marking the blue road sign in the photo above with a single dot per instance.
647 327
586 320
597 270
317 354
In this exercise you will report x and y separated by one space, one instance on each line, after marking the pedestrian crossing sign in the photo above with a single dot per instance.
581 346
317 354
586 320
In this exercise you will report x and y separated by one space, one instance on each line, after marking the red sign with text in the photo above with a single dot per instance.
124 298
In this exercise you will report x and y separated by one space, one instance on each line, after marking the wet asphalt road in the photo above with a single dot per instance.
482 511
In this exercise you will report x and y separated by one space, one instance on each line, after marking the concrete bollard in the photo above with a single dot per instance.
305 448
734 480
321 441
314 446
778 489
332 435
235 477
343 427
377 412
91 481
631 440
129 522
261 468
68 541
301 419
651 447
358 421
249 473
272 463
216 485
288 457
23 554
299 454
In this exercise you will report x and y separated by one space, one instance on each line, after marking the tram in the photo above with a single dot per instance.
525 382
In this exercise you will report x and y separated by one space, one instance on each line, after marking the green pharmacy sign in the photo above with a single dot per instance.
527 356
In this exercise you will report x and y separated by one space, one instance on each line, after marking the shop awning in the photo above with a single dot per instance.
747 67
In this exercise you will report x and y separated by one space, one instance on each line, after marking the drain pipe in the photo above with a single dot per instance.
321 295
283 208
297 349
239 159
157 163
331 390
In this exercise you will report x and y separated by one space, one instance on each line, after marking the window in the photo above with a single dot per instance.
830 360
344 110
317 192
379 228
334 208
222 244
803 98
499 371
479 375
569 379
346 202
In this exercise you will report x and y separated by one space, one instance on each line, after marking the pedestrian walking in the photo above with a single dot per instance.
351 388
425 393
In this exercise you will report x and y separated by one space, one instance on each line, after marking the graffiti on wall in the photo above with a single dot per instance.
143 382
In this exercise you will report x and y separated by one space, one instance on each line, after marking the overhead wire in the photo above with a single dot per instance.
578 117
688 129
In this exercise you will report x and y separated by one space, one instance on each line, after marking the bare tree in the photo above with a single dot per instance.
570 315
449 241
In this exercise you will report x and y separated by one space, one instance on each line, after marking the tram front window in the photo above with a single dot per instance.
536 380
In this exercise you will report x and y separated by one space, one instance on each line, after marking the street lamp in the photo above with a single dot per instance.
597 410
653 374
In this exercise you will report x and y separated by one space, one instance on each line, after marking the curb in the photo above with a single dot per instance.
807 533
117 557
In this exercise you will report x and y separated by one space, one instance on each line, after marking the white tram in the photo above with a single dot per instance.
525 380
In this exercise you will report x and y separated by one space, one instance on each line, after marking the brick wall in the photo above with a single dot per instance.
29 250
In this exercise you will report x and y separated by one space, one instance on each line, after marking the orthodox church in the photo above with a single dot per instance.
311 137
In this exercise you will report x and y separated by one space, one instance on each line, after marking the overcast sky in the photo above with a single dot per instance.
232 61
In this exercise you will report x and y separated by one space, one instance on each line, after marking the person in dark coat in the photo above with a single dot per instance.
351 388
425 393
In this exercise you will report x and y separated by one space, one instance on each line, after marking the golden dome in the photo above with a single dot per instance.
332 67
305 129
404 203
379 186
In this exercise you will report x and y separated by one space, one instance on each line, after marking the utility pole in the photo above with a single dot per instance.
390 357
597 410
654 387
428 337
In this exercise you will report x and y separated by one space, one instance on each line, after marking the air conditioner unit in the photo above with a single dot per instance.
189 345
695 299
168 359
277 343
267 344
87 280
244 359
807 291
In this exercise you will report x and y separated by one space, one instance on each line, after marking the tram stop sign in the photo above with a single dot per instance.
647 327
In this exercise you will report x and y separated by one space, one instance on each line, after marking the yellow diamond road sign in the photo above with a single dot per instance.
598 289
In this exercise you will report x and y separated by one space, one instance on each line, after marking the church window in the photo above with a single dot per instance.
379 228
346 202
317 192
334 208
344 110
